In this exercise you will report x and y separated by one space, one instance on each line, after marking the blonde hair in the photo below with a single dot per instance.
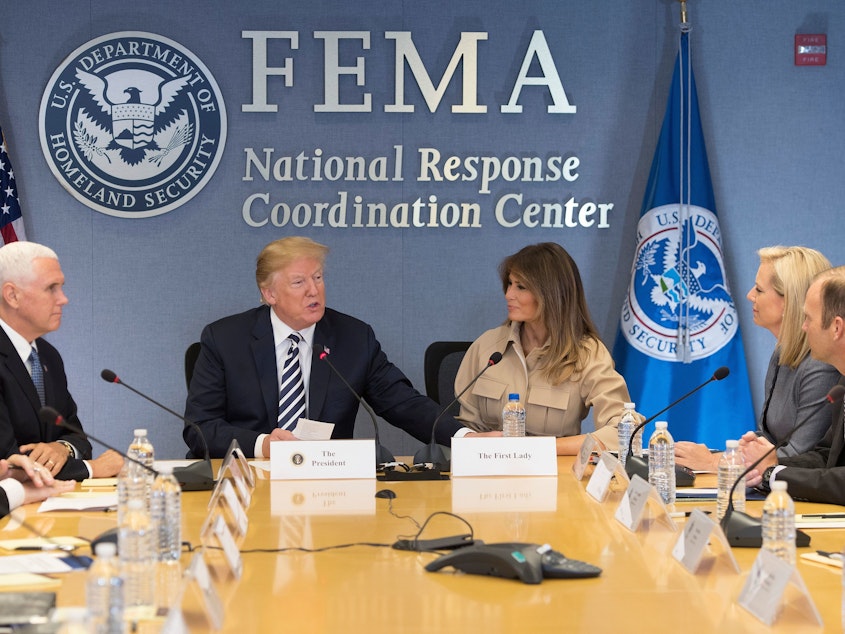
280 253
832 293
552 276
793 270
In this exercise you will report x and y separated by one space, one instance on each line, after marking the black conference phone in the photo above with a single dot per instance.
530 563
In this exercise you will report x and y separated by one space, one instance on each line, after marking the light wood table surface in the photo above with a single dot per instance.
382 590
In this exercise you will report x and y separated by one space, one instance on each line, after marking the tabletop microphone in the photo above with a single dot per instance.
383 456
636 465
433 453
49 416
745 531
198 476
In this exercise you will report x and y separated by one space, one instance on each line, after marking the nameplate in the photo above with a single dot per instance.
599 483
583 457
322 497
496 456
502 495
692 543
322 459
764 589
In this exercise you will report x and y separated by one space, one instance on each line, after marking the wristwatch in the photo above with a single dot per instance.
71 452
767 474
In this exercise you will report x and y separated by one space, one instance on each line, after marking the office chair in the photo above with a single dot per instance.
440 366
191 355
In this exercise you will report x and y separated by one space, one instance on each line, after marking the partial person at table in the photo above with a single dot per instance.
23 481
257 373
817 475
552 356
32 373
796 383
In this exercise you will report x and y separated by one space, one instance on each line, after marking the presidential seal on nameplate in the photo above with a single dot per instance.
499 456
322 459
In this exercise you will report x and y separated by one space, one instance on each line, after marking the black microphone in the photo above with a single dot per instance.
639 466
432 453
745 531
199 476
383 456
49 416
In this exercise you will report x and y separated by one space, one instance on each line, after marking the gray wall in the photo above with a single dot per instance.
141 289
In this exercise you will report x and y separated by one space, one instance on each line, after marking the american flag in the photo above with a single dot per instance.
11 219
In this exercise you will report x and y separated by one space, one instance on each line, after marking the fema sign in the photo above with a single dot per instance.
132 124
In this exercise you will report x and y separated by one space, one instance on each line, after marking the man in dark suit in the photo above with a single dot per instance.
32 373
235 390
23 481
817 475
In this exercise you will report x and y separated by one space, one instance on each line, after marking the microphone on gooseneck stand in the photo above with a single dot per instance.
638 465
745 531
49 416
383 456
432 453
198 476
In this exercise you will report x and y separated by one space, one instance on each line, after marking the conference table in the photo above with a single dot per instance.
355 582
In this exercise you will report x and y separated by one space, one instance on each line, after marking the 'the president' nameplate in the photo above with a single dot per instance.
322 459
495 456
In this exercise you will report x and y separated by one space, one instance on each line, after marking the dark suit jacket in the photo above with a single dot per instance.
19 406
4 504
819 475
234 389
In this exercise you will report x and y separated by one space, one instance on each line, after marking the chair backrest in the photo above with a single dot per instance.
441 363
191 355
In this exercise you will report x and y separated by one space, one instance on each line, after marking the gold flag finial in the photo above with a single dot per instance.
683 11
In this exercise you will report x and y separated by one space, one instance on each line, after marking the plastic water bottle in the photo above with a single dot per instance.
731 467
134 481
104 592
513 417
136 545
779 523
166 512
661 462
627 424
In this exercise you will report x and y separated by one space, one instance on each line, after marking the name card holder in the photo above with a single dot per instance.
629 513
764 590
236 465
197 575
216 532
693 541
583 458
497 456
607 468
323 460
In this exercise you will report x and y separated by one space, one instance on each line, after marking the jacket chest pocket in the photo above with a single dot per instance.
546 408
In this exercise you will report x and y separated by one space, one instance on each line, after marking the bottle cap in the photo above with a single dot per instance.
140 432
513 396
630 406
105 549
661 424
165 469
778 485
731 444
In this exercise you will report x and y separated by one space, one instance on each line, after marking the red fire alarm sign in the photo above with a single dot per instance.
810 50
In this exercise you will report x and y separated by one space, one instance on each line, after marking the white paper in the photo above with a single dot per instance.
39 563
80 502
313 430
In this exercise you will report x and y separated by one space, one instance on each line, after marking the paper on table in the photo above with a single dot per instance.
29 579
38 563
80 501
99 483
313 430
39 542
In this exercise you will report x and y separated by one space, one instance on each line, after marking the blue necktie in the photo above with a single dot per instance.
292 391
37 373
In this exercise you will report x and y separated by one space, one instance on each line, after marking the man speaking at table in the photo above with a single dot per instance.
817 475
257 375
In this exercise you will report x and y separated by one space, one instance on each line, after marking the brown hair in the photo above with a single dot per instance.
552 276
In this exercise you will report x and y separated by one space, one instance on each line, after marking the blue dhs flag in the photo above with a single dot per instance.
679 323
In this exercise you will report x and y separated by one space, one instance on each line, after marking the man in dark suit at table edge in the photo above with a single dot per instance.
235 389
31 303
817 475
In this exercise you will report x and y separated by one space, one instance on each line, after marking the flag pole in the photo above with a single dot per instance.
683 4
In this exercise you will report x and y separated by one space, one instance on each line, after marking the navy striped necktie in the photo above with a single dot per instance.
37 373
292 390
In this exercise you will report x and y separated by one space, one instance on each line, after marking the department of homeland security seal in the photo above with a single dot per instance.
678 280
132 124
